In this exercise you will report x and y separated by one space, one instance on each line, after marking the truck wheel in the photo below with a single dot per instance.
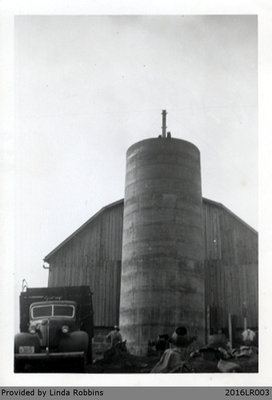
19 366
90 355
81 365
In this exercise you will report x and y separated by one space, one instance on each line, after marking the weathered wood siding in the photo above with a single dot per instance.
231 266
93 257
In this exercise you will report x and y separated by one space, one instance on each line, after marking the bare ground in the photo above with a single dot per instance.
135 364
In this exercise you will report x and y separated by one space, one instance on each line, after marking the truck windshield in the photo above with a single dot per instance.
63 311
42 311
54 310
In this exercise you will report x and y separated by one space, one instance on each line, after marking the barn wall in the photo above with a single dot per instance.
93 257
231 267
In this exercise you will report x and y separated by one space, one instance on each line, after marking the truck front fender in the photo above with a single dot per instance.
25 342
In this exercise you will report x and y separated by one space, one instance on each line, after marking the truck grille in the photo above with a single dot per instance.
54 335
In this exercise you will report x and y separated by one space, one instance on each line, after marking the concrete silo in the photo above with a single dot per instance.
162 281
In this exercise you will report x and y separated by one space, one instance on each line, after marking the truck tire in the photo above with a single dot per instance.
19 366
83 364
90 353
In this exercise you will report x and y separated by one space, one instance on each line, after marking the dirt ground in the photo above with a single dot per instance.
135 364
126 363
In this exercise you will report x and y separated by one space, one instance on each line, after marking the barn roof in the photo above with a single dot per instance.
111 205
220 205
121 202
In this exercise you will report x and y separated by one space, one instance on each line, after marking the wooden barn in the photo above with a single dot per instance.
231 268
92 255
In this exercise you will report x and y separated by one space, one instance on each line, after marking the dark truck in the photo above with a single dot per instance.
56 328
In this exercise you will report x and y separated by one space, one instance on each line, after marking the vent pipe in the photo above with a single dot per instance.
164 123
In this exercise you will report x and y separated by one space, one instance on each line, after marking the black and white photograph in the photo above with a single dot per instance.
138 251
136 194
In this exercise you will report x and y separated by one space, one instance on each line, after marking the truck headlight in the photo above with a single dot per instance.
32 329
65 329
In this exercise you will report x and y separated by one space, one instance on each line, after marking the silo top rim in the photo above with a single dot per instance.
165 141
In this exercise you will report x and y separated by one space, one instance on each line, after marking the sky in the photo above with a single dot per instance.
87 87
106 92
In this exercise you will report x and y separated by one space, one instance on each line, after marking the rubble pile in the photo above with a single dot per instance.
119 360
214 358
180 354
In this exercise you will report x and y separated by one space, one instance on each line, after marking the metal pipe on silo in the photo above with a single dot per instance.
164 123
162 282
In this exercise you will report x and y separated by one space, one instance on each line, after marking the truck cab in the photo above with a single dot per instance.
55 330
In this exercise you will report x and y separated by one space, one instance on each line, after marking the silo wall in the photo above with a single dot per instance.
162 281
